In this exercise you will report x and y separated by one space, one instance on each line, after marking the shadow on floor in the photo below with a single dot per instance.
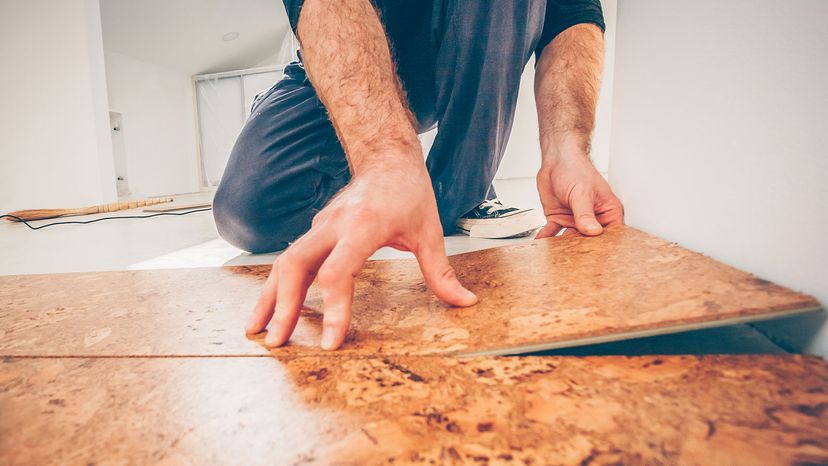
737 339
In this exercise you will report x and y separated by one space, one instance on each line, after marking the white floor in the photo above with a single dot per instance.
172 242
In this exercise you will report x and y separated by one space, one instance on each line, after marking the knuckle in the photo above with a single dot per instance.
446 273
328 277
349 247
286 261
288 267
336 319
319 218
334 214
286 257
282 319
364 214
272 274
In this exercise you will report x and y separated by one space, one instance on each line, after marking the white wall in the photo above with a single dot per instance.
158 125
284 54
720 136
54 124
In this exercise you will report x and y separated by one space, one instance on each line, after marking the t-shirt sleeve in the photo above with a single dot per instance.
563 14
293 7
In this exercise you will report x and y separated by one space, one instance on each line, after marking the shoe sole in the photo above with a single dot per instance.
516 225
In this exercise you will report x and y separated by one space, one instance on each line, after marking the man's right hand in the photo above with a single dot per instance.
389 201
390 204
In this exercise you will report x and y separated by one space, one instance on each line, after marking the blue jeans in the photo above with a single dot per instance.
460 64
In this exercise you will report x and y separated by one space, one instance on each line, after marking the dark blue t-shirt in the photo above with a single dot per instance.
413 28
560 15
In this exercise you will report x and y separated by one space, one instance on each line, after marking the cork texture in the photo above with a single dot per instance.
554 292
415 410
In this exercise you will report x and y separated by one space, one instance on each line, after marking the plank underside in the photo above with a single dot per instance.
546 294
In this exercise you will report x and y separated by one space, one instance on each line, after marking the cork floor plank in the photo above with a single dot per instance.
146 312
546 294
316 410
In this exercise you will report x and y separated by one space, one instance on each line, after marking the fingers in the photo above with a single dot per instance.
297 268
550 229
267 300
439 275
336 280
583 209
614 215
611 219
572 232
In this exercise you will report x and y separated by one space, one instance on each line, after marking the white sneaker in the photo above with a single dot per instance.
491 219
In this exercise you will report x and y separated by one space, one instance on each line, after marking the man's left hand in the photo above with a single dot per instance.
576 197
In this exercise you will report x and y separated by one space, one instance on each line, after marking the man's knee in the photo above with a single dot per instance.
274 179
240 225
244 222
260 207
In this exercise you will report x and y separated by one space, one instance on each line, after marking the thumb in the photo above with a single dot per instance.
583 209
439 275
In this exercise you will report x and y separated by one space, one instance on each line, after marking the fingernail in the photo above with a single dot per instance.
272 338
470 297
251 324
328 338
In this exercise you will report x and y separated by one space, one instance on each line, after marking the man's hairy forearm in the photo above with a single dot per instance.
348 59
567 81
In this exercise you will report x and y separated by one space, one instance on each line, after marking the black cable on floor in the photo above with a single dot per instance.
85 222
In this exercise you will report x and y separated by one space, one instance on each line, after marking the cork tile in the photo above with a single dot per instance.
534 410
544 294
147 312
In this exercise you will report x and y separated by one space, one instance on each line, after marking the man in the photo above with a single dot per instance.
330 154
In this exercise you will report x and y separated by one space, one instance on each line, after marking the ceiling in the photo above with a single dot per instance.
186 35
